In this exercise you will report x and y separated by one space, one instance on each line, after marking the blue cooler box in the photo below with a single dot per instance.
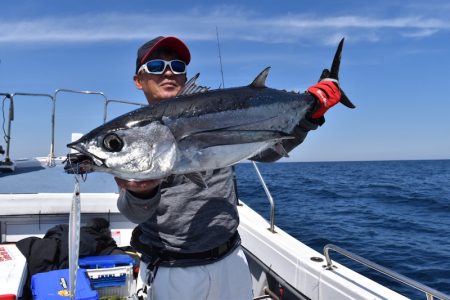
55 285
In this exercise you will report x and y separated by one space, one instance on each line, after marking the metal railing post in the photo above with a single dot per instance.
51 156
11 118
429 292
85 93
105 110
8 129
272 203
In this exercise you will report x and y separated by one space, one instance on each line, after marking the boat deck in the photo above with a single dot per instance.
34 198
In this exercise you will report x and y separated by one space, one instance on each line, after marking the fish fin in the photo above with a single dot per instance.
213 138
260 80
198 179
278 148
191 88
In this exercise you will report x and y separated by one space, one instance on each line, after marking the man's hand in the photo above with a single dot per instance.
142 189
327 93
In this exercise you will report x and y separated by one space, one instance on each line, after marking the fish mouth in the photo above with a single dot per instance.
84 157
78 163
75 146
79 148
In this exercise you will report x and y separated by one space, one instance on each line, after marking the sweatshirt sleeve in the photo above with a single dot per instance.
135 209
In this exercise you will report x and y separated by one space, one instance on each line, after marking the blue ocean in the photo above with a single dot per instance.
395 213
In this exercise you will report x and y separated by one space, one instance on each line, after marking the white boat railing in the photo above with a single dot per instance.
429 292
269 196
84 93
118 101
51 156
8 130
53 98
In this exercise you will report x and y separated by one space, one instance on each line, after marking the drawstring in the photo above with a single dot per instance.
146 292
152 269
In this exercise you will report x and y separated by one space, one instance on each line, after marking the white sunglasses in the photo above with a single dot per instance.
157 66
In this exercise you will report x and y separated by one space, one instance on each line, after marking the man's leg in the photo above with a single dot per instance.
226 279
231 279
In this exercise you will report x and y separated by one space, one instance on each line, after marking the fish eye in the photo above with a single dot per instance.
112 143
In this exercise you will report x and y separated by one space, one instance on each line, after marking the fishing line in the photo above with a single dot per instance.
75 224
233 168
220 57
254 163
76 169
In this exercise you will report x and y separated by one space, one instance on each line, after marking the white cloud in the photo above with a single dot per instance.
420 33
232 23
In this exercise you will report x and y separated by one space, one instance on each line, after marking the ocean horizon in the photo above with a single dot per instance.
395 213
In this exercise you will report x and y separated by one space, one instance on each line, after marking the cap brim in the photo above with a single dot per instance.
173 43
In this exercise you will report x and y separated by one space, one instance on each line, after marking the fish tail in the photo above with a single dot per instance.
333 74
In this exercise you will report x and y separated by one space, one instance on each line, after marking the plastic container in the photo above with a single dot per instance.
108 282
110 275
55 285
13 272
105 261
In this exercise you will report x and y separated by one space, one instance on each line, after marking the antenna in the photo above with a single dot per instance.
220 57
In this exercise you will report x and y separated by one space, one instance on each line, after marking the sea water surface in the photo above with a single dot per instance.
395 213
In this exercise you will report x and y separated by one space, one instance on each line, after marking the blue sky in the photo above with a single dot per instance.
394 65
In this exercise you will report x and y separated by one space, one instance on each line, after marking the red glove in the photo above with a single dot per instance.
327 93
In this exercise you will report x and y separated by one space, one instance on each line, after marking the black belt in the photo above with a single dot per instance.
169 256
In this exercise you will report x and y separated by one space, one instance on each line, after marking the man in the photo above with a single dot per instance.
188 234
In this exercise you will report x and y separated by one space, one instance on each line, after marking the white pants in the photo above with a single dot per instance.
226 279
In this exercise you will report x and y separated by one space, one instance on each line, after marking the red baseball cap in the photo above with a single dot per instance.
170 42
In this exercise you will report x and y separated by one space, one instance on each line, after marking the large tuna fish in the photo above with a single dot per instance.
198 131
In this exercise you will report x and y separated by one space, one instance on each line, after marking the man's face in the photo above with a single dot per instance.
159 87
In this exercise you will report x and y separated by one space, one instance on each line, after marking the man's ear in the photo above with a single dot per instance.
137 82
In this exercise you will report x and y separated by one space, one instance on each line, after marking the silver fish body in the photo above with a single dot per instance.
195 132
